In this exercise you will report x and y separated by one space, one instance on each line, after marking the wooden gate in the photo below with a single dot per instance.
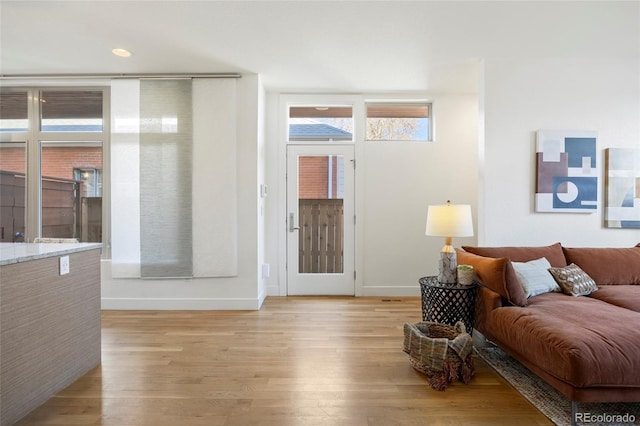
320 238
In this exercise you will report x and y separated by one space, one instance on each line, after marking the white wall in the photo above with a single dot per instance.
522 95
241 291
398 182
261 180
401 180
274 174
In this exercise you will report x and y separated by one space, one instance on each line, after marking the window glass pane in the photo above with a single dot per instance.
71 111
399 122
12 191
72 190
321 123
13 111
321 214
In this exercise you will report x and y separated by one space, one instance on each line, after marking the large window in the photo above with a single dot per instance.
51 161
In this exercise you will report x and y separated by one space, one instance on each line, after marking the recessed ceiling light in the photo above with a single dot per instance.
121 52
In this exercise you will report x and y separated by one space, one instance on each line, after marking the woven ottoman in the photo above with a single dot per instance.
442 352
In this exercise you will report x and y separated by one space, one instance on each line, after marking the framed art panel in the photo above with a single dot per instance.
622 185
566 171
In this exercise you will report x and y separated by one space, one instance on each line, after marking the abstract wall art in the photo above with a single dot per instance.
622 186
566 171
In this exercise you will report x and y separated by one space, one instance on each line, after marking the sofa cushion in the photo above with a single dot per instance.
625 296
573 280
490 271
582 341
513 286
607 265
552 253
535 277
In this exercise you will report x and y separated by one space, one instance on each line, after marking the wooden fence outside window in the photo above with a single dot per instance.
320 236
64 213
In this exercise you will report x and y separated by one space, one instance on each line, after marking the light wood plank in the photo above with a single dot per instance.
298 361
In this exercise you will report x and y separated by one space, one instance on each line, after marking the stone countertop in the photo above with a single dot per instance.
23 252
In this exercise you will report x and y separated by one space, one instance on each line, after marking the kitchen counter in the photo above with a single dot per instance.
23 252
50 330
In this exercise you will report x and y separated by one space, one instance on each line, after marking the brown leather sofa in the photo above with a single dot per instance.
587 347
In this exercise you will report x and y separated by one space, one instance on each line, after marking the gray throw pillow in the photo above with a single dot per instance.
535 277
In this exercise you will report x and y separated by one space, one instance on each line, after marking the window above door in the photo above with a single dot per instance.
320 123
399 121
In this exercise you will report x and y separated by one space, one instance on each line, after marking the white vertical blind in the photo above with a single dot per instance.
174 183
165 178
215 212
125 178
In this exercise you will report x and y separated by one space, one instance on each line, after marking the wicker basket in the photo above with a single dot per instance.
441 352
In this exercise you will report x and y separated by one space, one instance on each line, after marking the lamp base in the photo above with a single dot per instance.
447 273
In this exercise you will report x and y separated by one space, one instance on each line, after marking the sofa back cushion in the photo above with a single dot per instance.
514 290
552 253
607 266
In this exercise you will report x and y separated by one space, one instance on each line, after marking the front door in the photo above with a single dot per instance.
320 220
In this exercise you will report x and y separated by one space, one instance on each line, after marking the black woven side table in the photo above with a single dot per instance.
447 303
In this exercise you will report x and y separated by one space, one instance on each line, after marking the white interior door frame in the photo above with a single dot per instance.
284 102
328 246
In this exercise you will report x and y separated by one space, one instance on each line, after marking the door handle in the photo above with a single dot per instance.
291 223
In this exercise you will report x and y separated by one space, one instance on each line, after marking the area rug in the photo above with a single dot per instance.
552 403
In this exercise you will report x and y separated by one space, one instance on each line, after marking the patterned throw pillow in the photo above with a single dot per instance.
573 280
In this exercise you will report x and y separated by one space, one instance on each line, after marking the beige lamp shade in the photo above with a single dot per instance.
449 220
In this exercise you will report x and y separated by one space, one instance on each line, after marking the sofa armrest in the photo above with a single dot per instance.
486 301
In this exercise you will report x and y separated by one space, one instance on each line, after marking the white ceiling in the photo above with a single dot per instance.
329 46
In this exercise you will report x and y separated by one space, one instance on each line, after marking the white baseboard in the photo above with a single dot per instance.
174 304
398 291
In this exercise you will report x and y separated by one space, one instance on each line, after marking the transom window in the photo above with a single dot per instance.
71 111
399 122
321 124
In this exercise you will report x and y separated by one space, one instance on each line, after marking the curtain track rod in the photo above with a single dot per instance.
116 76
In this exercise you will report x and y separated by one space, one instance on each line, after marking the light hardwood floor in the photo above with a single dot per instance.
297 361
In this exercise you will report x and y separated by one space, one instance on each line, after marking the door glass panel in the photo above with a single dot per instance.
71 111
321 124
12 191
321 214
72 190
13 112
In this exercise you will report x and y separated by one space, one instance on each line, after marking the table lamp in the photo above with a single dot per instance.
449 221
